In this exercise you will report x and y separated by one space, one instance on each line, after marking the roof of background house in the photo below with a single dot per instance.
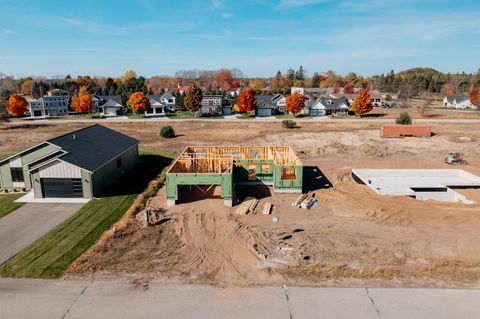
106 98
459 99
93 146
112 103
166 95
265 101
331 103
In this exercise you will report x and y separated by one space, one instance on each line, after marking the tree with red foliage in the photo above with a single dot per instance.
138 102
82 102
349 88
362 103
224 79
246 101
295 103
17 105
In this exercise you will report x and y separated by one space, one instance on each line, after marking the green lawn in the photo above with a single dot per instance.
181 115
51 255
7 204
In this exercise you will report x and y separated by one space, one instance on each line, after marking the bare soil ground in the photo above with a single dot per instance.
352 237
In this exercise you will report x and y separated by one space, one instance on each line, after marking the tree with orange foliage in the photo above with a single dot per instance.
82 102
138 102
474 94
246 101
17 105
26 87
295 103
362 103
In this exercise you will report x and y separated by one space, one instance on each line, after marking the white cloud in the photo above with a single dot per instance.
227 15
8 31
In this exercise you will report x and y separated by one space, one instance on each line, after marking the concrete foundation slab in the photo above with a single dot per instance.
422 184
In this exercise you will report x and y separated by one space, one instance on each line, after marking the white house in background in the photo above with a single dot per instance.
234 92
157 107
55 103
108 105
327 106
458 102
169 101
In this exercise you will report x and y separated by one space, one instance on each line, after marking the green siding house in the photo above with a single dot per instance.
79 164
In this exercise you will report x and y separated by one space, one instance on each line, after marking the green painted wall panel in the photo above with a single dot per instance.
109 173
6 176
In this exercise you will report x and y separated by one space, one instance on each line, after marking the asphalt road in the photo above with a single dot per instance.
114 299
324 119
27 224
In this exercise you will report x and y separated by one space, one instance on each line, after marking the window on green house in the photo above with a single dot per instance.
17 174
289 174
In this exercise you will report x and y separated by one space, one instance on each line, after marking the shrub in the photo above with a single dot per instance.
403 119
167 132
289 124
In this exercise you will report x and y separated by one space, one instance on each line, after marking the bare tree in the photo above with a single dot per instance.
427 101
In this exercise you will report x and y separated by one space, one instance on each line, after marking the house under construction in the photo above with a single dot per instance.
228 166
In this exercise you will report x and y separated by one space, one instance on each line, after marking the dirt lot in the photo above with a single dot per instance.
353 237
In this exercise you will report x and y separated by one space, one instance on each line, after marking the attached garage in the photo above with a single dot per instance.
62 187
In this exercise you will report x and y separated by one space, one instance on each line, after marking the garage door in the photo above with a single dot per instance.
62 188
315 113
264 112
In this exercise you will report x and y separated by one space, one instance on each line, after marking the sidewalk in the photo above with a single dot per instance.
117 299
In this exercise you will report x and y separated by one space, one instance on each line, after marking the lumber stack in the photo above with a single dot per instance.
248 205
267 209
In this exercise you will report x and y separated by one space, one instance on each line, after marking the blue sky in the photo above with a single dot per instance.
103 37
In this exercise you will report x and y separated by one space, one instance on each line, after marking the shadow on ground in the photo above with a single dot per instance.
136 180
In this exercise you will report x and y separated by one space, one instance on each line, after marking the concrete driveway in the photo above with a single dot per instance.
27 224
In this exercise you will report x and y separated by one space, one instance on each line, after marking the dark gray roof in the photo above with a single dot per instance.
331 104
265 101
167 95
106 98
92 147
459 99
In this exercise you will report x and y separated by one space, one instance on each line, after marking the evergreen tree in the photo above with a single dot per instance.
315 80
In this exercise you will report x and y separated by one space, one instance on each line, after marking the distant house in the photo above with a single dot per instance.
268 105
458 102
212 105
234 92
376 98
108 105
309 92
327 106
54 103
79 164
349 97
169 100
